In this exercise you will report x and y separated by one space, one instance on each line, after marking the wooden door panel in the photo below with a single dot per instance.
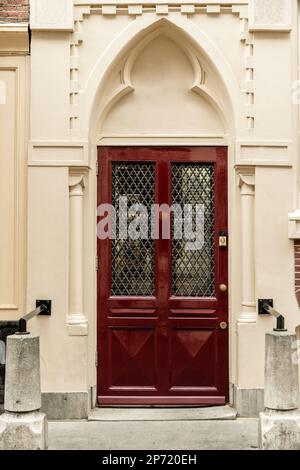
193 303
192 312
160 306
132 312
192 358
132 302
129 350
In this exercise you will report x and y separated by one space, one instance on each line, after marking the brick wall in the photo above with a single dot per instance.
14 11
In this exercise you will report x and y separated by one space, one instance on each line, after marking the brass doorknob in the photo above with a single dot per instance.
223 325
223 287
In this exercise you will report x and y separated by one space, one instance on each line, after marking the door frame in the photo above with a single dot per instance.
142 400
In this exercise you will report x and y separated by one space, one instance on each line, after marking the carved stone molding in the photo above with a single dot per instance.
125 86
113 7
270 15
56 15
84 9
246 180
76 184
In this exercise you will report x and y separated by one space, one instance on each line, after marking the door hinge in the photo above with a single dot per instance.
97 168
97 263
96 358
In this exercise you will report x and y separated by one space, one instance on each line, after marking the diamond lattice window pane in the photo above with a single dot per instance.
133 261
193 271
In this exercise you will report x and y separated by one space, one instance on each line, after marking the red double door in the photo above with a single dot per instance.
163 300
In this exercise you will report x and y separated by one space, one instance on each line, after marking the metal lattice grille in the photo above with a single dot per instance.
193 271
133 261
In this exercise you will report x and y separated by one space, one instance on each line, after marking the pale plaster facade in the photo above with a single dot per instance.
170 73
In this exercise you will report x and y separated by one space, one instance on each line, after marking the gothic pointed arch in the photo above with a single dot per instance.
213 80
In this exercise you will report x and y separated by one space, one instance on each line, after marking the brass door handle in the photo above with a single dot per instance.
223 325
223 287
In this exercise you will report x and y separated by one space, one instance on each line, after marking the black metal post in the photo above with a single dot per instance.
23 321
280 320
280 326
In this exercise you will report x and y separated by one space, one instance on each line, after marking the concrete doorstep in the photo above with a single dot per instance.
239 434
213 413
213 428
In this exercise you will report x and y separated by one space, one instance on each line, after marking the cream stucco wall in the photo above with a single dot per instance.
94 81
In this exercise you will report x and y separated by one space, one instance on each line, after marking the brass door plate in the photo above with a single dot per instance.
222 240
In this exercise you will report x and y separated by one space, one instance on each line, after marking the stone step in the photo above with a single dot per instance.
216 413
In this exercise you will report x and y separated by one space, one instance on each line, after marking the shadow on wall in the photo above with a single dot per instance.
6 329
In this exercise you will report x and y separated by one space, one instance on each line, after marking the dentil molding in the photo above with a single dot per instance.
264 15
112 8
60 15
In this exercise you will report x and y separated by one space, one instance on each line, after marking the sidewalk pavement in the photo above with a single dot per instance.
240 434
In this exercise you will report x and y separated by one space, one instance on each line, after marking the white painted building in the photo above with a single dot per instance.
168 78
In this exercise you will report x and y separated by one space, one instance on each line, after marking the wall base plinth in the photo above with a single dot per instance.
66 405
248 402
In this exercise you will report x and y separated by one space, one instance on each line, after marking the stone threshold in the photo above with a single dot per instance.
214 413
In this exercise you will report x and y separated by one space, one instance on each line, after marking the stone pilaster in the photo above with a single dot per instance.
247 191
77 321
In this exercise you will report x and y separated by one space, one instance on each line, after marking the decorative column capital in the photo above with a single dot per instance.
246 181
246 175
76 185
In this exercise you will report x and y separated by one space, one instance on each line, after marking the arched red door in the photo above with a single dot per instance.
163 300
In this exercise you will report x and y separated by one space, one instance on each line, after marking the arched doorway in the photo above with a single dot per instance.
156 348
